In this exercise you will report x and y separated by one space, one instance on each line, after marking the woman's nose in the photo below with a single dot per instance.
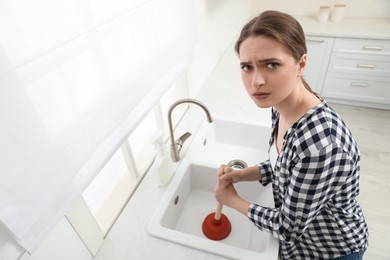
257 79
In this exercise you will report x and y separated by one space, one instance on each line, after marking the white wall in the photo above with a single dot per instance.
218 23
355 8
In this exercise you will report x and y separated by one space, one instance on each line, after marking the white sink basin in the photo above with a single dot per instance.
189 197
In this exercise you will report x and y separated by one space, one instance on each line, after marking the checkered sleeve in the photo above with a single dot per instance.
266 172
315 178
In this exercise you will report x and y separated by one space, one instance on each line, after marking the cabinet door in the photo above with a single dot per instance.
319 50
358 88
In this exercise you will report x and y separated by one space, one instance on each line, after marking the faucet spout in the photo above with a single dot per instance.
176 145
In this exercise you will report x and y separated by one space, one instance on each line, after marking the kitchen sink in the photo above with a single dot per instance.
189 198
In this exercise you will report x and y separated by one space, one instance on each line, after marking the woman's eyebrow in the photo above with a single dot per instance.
268 60
262 61
245 63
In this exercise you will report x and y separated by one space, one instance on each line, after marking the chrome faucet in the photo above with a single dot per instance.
176 145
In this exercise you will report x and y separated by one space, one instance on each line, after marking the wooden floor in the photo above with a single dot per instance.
371 129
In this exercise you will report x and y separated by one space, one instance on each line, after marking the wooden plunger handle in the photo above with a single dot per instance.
218 211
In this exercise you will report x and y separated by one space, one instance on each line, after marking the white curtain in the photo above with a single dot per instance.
76 77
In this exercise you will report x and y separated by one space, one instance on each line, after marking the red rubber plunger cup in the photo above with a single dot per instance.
216 226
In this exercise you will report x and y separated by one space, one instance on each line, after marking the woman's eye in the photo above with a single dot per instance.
272 65
246 67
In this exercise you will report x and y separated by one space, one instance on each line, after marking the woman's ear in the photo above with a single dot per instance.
302 65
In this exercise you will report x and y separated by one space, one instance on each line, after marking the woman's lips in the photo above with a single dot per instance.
261 95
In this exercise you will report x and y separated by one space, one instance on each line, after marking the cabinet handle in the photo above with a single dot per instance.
355 84
374 48
366 66
314 40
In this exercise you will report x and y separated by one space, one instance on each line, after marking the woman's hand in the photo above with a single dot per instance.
225 192
228 175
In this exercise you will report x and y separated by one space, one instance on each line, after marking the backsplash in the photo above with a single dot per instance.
355 8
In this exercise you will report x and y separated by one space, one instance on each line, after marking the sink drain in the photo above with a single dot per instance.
237 164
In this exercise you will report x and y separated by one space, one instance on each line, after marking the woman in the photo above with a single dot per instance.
313 160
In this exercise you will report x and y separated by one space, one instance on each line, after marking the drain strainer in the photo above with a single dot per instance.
237 164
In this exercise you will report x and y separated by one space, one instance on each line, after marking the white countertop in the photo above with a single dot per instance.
349 27
223 94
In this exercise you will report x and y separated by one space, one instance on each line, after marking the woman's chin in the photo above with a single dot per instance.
261 104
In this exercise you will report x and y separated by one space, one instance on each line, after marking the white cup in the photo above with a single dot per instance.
323 13
337 14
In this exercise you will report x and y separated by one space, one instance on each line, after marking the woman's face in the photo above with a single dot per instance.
269 72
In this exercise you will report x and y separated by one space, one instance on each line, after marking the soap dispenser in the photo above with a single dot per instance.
163 163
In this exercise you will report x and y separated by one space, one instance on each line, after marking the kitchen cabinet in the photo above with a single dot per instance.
319 50
354 71
359 73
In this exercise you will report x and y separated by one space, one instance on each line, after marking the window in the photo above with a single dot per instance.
110 191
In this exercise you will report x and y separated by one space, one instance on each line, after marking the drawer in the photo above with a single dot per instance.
360 64
357 88
364 46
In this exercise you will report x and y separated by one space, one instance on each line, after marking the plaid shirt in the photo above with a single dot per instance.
315 184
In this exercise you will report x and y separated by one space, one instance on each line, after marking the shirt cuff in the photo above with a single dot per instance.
266 172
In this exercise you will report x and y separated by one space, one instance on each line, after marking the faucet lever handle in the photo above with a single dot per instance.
176 147
183 138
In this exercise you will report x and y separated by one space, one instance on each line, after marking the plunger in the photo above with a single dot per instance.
216 226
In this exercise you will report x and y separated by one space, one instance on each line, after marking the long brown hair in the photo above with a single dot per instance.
281 27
